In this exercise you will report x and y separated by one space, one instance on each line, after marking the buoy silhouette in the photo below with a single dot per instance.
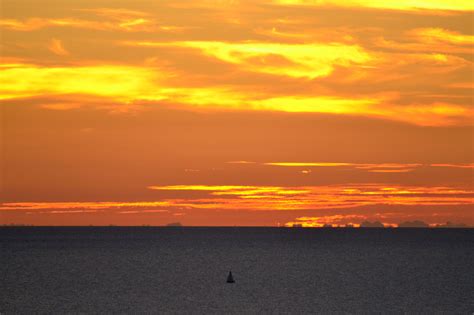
230 279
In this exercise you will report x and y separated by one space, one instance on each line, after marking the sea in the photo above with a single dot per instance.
183 270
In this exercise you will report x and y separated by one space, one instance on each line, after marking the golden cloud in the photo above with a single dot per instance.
468 165
122 83
370 167
56 47
439 35
264 198
126 84
110 20
410 5
294 60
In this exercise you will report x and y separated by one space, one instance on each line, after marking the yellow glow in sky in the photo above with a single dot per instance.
127 84
389 4
437 35
123 83
294 60
298 164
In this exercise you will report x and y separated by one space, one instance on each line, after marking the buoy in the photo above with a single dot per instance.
230 279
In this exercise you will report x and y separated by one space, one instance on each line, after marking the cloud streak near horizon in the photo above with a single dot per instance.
249 199
266 198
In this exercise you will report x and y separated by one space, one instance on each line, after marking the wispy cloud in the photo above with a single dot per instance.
56 47
439 36
468 165
64 212
79 205
123 83
142 211
391 170
305 164
265 198
370 167
408 5
294 60
126 84
107 19
318 197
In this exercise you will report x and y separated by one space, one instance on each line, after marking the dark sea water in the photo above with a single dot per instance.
277 270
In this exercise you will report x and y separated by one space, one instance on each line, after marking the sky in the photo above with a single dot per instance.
236 113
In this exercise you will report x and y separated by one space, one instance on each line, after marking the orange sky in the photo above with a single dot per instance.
232 112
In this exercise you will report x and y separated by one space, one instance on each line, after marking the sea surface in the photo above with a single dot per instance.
277 270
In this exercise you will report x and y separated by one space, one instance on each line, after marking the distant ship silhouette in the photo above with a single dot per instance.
230 279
